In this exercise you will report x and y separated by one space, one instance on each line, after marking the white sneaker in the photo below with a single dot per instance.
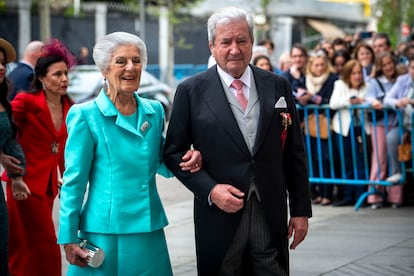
395 178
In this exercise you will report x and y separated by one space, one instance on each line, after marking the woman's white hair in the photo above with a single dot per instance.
102 52
227 15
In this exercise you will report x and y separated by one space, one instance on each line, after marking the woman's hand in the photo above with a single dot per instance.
304 98
75 254
376 104
403 102
356 100
19 189
192 161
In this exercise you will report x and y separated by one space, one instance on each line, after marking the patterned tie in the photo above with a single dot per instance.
238 85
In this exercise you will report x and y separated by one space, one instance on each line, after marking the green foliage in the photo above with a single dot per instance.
182 44
392 13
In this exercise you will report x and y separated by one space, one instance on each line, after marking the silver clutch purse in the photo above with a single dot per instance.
96 255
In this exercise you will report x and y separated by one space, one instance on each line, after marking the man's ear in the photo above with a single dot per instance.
211 46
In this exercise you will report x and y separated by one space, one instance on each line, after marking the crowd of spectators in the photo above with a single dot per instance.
350 70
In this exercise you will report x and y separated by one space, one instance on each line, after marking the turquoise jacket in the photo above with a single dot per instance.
119 162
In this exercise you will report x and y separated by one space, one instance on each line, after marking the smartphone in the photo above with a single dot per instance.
364 35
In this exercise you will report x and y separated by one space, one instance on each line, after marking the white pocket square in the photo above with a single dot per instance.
281 103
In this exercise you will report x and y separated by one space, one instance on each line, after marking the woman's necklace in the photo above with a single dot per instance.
55 106
56 113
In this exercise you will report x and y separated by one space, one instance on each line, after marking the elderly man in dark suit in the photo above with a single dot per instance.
244 122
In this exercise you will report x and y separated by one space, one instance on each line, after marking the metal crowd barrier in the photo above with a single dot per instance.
333 148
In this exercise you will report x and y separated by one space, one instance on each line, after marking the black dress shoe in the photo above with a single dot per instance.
343 203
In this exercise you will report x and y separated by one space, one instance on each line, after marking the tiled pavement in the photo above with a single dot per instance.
340 241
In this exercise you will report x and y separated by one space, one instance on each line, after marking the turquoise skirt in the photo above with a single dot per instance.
128 255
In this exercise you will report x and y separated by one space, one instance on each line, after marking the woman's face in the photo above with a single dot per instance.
318 66
264 64
364 56
329 48
387 67
124 71
56 80
2 67
339 63
356 77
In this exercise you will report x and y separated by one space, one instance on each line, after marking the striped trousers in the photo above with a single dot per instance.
252 251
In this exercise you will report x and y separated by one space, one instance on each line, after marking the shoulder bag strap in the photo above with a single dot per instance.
382 89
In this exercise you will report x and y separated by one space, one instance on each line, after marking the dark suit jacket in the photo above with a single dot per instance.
21 77
202 116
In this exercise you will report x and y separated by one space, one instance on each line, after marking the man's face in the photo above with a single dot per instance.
232 47
298 58
380 45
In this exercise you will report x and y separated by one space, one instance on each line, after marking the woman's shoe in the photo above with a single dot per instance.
326 202
317 200
343 203
377 205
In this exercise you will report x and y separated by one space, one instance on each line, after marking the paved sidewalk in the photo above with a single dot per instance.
341 241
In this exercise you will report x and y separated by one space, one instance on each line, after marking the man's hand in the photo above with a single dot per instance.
298 227
11 164
75 254
227 198
192 161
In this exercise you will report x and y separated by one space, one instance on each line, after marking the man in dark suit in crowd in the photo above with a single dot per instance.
253 157
22 75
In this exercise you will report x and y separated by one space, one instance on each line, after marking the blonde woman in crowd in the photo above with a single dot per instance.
320 79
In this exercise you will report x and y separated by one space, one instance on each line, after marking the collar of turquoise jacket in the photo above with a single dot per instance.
108 109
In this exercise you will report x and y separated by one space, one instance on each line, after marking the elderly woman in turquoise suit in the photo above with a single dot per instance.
114 150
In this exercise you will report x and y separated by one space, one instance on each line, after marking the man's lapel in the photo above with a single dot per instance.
267 97
218 104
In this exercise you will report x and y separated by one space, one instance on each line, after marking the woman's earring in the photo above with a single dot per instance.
105 86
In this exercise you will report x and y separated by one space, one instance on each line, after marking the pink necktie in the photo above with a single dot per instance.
238 85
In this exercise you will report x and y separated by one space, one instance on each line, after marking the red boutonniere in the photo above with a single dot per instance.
286 121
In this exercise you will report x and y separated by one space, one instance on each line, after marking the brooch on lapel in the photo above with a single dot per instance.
286 121
55 147
144 126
